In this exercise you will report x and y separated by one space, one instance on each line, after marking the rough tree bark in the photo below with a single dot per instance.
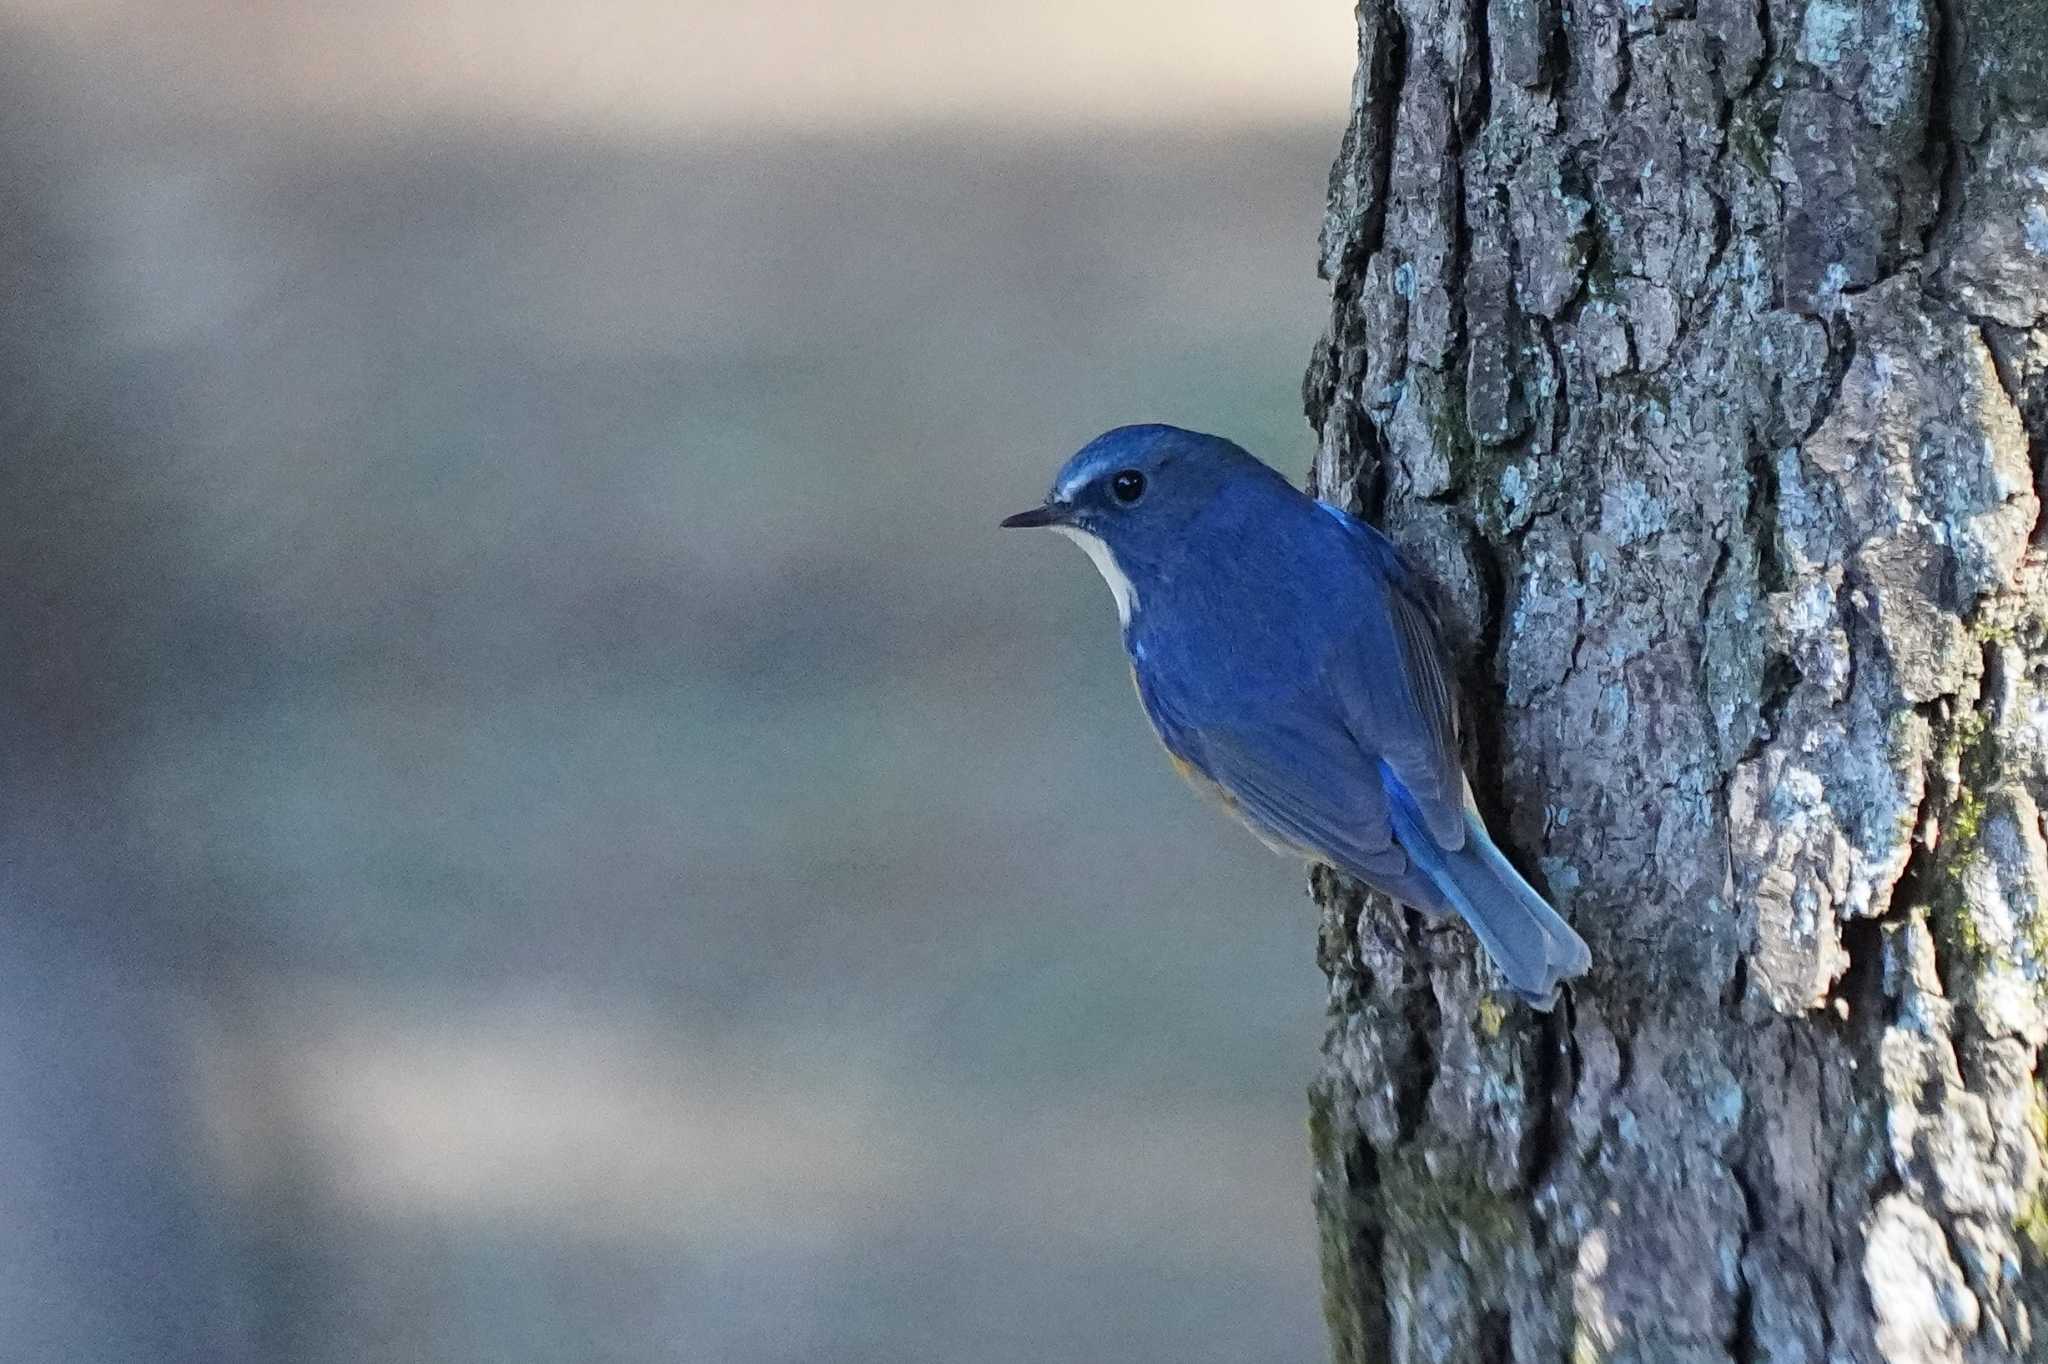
1701 348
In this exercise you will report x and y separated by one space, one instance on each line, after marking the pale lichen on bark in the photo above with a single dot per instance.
1700 348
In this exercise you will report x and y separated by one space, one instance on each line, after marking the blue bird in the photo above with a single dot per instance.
1289 660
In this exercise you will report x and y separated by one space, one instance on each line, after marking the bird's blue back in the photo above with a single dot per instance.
1267 579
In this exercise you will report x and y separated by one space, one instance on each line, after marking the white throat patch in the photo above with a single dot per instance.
1106 564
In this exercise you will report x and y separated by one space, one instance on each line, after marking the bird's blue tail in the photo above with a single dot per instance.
1534 948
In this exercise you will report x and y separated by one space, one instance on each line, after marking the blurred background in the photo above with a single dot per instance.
541 820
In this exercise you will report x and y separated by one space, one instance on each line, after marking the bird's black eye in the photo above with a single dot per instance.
1128 485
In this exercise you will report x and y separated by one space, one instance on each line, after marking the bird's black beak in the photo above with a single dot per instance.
1037 516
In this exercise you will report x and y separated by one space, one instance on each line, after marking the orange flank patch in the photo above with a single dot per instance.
1208 787
1194 777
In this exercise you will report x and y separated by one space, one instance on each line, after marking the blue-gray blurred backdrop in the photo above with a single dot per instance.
541 819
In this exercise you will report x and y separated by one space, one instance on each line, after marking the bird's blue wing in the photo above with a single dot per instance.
1393 686
1296 775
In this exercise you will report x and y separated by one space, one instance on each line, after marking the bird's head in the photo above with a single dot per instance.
1131 496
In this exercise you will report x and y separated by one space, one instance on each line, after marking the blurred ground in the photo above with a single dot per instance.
543 821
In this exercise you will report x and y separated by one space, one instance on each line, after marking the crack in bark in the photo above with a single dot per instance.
1941 155
1552 1083
1742 1339
1474 103
1422 1016
1495 1341
1841 354
1861 985
1624 64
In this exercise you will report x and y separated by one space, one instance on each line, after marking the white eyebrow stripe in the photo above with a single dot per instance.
1112 573
1066 490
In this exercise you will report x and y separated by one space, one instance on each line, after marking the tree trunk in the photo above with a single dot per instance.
1701 350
